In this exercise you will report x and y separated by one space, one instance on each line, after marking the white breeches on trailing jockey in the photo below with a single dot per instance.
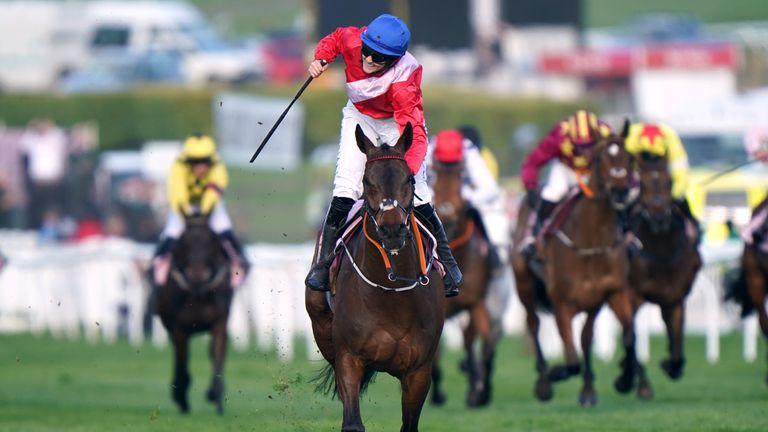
495 219
350 163
561 179
219 221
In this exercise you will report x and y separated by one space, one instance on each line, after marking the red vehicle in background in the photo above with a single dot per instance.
283 54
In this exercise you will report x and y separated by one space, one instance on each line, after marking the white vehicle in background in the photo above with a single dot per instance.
42 41
141 26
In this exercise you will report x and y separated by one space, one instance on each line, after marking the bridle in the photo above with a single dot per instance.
388 204
412 230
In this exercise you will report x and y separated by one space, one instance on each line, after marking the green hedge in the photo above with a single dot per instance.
126 120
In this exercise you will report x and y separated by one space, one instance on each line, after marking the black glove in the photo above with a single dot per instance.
532 199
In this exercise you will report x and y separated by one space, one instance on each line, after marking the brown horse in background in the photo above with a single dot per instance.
379 320
471 253
196 299
664 270
750 288
585 266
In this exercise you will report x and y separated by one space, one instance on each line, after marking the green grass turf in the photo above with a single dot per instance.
53 385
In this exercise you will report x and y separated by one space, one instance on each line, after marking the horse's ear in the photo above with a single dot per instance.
363 143
625 128
406 139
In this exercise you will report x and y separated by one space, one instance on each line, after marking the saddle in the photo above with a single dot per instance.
560 213
353 227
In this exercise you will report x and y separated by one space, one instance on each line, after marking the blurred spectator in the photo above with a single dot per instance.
81 171
45 145
135 204
12 188
54 227
756 143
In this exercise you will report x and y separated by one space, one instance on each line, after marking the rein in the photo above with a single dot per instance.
424 264
464 237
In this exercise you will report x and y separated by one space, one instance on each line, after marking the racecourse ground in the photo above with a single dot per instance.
53 385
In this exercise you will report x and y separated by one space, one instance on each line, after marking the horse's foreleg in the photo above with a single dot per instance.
438 396
180 384
620 304
480 382
756 289
673 317
415 386
218 351
588 396
564 317
542 388
349 376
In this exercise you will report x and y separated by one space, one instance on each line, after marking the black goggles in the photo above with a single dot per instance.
376 56
195 161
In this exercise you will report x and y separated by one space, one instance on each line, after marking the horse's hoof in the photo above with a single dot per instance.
644 391
588 399
183 407
543 389
622 384
562 372
673 369
478 399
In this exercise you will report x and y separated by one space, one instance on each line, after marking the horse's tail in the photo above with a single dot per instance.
326 381
735 283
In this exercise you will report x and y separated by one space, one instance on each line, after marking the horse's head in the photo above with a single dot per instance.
449 203
388 188
612 168
655 192
198 254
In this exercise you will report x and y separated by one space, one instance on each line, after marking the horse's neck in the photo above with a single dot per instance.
663 240
599 216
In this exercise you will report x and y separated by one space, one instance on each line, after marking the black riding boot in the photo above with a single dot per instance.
165 246
633 243
317 279
685 208
543 211
229 236
453 276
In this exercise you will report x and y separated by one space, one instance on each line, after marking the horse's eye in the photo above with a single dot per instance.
366 182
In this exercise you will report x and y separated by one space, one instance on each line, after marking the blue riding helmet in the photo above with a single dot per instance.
388 35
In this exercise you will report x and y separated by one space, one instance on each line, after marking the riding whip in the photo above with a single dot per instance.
282 116
724 172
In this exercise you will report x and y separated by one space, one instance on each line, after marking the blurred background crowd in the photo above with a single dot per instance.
98 95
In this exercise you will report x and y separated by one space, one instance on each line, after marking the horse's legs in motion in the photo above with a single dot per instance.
415 386
180 383
622 308
756 290
588 396
218 351
480 371
349 376
438 396
542 388
673 318
564 317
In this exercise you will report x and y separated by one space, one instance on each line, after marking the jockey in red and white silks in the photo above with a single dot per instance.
381 103
384 90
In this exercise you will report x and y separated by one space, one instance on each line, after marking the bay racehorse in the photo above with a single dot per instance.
385 309
471 252
663 271
585 265
196 298
750 288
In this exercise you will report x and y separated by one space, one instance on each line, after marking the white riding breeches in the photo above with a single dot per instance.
219 221
350 163
561 179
